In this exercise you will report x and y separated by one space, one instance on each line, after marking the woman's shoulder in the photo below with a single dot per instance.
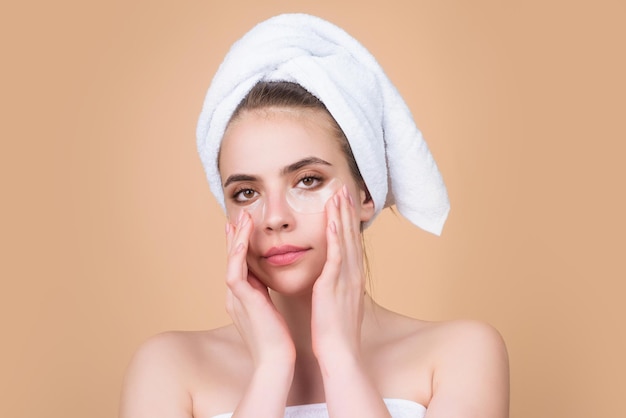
451 333
464 339
470 370
167 367
407 330
474 348
456 362
188 348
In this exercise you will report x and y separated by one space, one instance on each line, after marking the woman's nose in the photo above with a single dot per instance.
278 214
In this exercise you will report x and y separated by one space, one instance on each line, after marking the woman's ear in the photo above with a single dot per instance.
367 205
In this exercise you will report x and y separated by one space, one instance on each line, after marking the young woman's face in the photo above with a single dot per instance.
282 166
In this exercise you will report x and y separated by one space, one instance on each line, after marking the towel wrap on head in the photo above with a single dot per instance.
391 154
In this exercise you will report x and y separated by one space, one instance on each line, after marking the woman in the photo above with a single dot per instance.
295 153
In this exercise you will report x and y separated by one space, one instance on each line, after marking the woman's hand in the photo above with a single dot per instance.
248 303
338 294
261 327
337 316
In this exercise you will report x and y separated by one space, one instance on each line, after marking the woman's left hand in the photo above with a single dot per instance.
338 294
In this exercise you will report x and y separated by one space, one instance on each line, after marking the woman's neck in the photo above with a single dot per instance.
296 310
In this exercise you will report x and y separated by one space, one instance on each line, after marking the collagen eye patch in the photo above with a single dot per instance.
299 199
312 200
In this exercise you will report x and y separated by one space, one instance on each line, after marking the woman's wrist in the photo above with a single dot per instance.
336 349
267 391
276 358
338 360
348 387
275 371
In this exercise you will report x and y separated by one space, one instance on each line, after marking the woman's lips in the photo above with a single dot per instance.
284 255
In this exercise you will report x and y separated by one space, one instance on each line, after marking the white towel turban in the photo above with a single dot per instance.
389 149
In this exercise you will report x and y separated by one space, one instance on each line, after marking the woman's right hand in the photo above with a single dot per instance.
262 328
259 323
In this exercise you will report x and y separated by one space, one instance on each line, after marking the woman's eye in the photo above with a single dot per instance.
310 182
245 195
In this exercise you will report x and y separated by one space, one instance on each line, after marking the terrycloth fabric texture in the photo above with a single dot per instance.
398 408
389 149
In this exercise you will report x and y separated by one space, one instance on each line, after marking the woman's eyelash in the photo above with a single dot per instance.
316 178
237 193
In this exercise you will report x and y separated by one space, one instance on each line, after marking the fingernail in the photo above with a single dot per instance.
336 200
245 219
239 217
333 227
345 191
350 200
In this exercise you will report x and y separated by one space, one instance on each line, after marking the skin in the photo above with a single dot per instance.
307 332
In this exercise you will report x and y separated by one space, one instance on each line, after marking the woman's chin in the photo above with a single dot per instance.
291 280
290 284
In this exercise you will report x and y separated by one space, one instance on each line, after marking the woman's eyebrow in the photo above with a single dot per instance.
303 163
238 177
285 170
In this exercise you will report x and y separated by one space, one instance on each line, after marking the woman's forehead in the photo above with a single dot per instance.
265 140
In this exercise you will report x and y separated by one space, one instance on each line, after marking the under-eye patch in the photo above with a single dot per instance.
299 199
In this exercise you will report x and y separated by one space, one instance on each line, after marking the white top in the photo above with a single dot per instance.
398 408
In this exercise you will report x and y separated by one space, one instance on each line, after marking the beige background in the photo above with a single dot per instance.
109 232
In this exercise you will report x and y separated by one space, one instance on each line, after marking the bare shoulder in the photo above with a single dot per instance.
438 340
168 368
476 340
470 370
455 368
176 351
446 341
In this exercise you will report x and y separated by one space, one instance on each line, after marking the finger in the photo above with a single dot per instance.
231 228
237 269
348 215
351 232
237 230
333 245
337 219
242 233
